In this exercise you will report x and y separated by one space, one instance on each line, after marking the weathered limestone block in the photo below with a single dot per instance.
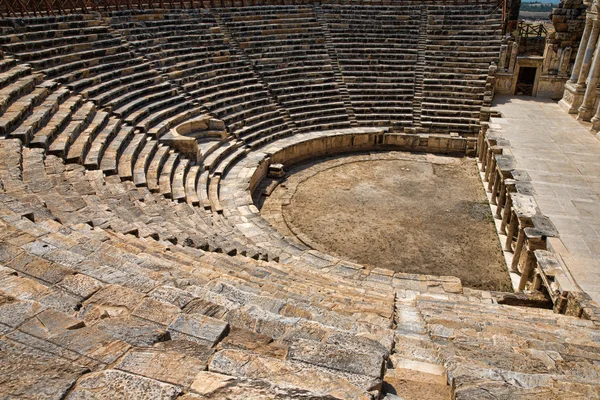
285 374
26 373
133 330
167 366
210 385
118 385
14 312
173 295
193 349
198 328
336 358
242 339
112 301
156 311
80 285
23 288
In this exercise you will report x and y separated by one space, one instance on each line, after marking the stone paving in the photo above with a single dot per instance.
562 158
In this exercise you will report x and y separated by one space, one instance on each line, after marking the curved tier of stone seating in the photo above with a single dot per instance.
108 312
287 48
179 44
90 58
376 48
133 263
462 41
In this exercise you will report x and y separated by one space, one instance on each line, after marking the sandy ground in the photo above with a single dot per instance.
417 214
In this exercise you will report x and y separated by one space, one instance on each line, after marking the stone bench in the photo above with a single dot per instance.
166 174
266 134
65 71
191 181
122 99
98 147
187 72
252 110
142 162
31 111
226 84
57 45
128 156
109 162
255 122
143 98
231 113
178 180
107 92
79 121
57 122
272 134
162 112
95 80
160 127
79 148
155 167
26 36
229 105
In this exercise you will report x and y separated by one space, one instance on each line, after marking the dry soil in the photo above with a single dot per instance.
416 214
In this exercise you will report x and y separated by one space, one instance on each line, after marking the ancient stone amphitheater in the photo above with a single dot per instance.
134 262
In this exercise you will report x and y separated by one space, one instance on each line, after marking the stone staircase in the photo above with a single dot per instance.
337 71
420 71
235 45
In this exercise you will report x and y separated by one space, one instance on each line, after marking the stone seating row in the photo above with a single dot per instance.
391 41
31 178
302 40
97 141
461 96
156 318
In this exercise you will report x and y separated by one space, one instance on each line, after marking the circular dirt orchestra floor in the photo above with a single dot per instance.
413 213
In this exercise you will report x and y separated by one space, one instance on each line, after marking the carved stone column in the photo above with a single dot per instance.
581 51
502 60
589 52
596 120
575 90
587 107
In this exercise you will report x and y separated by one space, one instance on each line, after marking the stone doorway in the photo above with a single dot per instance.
526 81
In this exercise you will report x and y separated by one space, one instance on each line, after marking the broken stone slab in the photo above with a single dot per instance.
118 385
213 386
243 339
112 301
156 311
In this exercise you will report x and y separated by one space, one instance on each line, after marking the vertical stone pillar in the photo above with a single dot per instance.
587 107
581 51
596 120
502 60
507 214
589 53
513 57
563 64
534 241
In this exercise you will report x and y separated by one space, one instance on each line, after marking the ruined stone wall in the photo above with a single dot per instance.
568 20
